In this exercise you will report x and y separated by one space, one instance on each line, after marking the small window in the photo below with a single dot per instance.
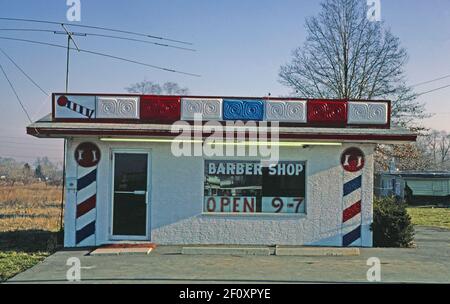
248 187
438 186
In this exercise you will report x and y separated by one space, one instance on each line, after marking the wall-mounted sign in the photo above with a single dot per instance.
283 204
208 108
81 107
87 154
352 159
240 109
327 112
248 187
120 107
374 113
286 111
160 108
170 108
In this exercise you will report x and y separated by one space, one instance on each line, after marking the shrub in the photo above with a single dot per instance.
392 225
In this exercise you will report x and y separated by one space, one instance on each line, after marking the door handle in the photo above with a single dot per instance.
135 192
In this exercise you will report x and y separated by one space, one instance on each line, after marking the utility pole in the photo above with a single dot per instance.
69 39
67 62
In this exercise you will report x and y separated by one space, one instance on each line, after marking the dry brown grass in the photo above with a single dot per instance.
29 207
29 221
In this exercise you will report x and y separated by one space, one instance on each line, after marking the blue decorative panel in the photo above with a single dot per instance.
241 109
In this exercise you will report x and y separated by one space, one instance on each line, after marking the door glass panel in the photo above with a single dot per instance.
130 189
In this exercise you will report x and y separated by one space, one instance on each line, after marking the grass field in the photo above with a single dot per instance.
429 216
29 221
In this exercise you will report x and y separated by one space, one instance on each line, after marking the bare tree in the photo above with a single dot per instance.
444 148
149 87
348 56
15 171
436 145
407 157
172 88
48 171
430 152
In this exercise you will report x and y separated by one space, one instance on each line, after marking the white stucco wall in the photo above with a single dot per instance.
176 200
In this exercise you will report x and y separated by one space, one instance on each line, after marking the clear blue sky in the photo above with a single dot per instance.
241 45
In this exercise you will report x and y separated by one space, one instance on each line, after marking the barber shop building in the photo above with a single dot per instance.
218 170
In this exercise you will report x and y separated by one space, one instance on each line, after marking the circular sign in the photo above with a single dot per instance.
62 101
352 159
87 154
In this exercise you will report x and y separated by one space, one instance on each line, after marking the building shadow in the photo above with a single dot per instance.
30 240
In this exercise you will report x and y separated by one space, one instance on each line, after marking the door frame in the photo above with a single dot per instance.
147 235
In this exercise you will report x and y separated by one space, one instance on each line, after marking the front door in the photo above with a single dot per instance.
130 214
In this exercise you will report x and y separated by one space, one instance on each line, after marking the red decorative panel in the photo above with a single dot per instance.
160 108
333 112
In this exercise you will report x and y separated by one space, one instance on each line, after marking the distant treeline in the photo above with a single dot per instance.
44 170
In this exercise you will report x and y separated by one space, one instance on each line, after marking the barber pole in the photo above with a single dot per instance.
87 156
86 211
352 161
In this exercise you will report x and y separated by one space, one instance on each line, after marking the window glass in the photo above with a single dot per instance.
248 187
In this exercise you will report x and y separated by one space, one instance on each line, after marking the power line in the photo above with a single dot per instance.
440 113
433 90
2 155
43 146
27 138
143 41
100 35
429 81
24 73
15 93
104 55
98 28
29 143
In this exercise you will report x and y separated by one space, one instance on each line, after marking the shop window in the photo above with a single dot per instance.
248 187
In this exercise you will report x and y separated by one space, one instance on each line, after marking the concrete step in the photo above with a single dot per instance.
316 251
124 248
226 250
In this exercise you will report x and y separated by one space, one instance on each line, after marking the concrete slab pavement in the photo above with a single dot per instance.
429 262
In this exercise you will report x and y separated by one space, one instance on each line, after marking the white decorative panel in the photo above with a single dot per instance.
73 106
209 108
118 107
286 111
360 112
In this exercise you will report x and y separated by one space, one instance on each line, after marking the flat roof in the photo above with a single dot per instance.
46 127
419 174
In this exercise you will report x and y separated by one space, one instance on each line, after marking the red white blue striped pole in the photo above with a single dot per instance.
352 161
